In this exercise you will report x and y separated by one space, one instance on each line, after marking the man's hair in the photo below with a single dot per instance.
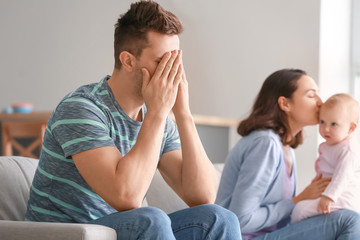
132 27
266 112
345 101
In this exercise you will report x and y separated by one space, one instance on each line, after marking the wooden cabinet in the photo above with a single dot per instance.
22 134
218 135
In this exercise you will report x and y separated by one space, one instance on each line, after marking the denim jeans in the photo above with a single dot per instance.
207 221
340 225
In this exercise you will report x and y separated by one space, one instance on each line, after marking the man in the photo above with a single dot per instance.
105 141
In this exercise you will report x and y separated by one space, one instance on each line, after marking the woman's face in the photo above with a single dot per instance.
304 105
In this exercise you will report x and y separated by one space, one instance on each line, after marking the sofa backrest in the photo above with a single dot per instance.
16 175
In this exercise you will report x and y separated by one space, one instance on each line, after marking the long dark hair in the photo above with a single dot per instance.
266 113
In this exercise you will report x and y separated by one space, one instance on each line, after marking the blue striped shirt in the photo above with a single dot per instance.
85 119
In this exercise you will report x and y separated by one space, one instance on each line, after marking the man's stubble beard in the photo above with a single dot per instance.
138 82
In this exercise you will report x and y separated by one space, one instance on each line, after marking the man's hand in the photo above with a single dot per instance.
182 99
160 91
324 205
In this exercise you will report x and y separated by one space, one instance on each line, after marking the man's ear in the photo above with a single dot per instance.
127 60
353 126
284 103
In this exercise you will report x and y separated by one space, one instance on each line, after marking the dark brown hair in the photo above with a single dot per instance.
132 27
266 113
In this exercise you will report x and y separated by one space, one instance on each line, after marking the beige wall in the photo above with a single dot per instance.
48 47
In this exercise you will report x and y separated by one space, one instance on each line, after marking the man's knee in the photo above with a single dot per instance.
221 215
224 225
154 217
140 223
215 209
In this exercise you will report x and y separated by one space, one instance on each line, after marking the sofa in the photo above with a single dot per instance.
16 174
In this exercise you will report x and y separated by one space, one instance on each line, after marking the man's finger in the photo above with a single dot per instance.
169 65
160 68
175 67
178 76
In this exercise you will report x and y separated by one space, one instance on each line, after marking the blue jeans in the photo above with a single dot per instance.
207 221
340 225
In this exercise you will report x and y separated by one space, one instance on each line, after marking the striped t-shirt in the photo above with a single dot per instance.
85 119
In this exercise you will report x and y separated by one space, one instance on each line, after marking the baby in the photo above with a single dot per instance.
337 160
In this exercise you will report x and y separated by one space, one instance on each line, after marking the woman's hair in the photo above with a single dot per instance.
266 112
132 27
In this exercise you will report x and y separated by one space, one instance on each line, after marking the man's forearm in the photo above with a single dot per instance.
137 168
199 180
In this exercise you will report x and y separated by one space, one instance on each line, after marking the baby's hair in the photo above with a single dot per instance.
346 101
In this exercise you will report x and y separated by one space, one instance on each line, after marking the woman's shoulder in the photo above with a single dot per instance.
263 135
261 146
266 138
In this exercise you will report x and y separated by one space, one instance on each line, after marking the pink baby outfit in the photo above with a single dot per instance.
342 164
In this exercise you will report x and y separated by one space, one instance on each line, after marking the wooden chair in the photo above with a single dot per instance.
12 131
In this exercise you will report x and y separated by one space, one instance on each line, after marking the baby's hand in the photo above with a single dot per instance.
324 205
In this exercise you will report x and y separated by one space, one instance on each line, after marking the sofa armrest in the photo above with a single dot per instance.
18 230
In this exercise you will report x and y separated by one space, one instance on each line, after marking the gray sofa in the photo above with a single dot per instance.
16 174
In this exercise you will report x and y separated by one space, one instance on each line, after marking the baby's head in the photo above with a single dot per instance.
339 116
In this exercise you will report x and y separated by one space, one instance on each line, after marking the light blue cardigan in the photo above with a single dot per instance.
252 182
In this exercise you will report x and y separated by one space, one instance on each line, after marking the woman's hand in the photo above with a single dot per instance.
314 190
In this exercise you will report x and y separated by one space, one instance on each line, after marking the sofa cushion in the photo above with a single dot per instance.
16 175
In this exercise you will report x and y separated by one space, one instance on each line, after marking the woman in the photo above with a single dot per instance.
259 177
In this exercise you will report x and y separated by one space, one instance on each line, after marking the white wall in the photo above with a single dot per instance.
335 52
355 87
336 48
355 57
48 47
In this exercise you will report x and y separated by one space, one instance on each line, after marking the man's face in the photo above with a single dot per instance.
150 56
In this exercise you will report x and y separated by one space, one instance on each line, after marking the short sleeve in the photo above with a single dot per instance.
171 135
79 124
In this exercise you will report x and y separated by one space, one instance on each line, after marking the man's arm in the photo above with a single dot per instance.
122 181
189 171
